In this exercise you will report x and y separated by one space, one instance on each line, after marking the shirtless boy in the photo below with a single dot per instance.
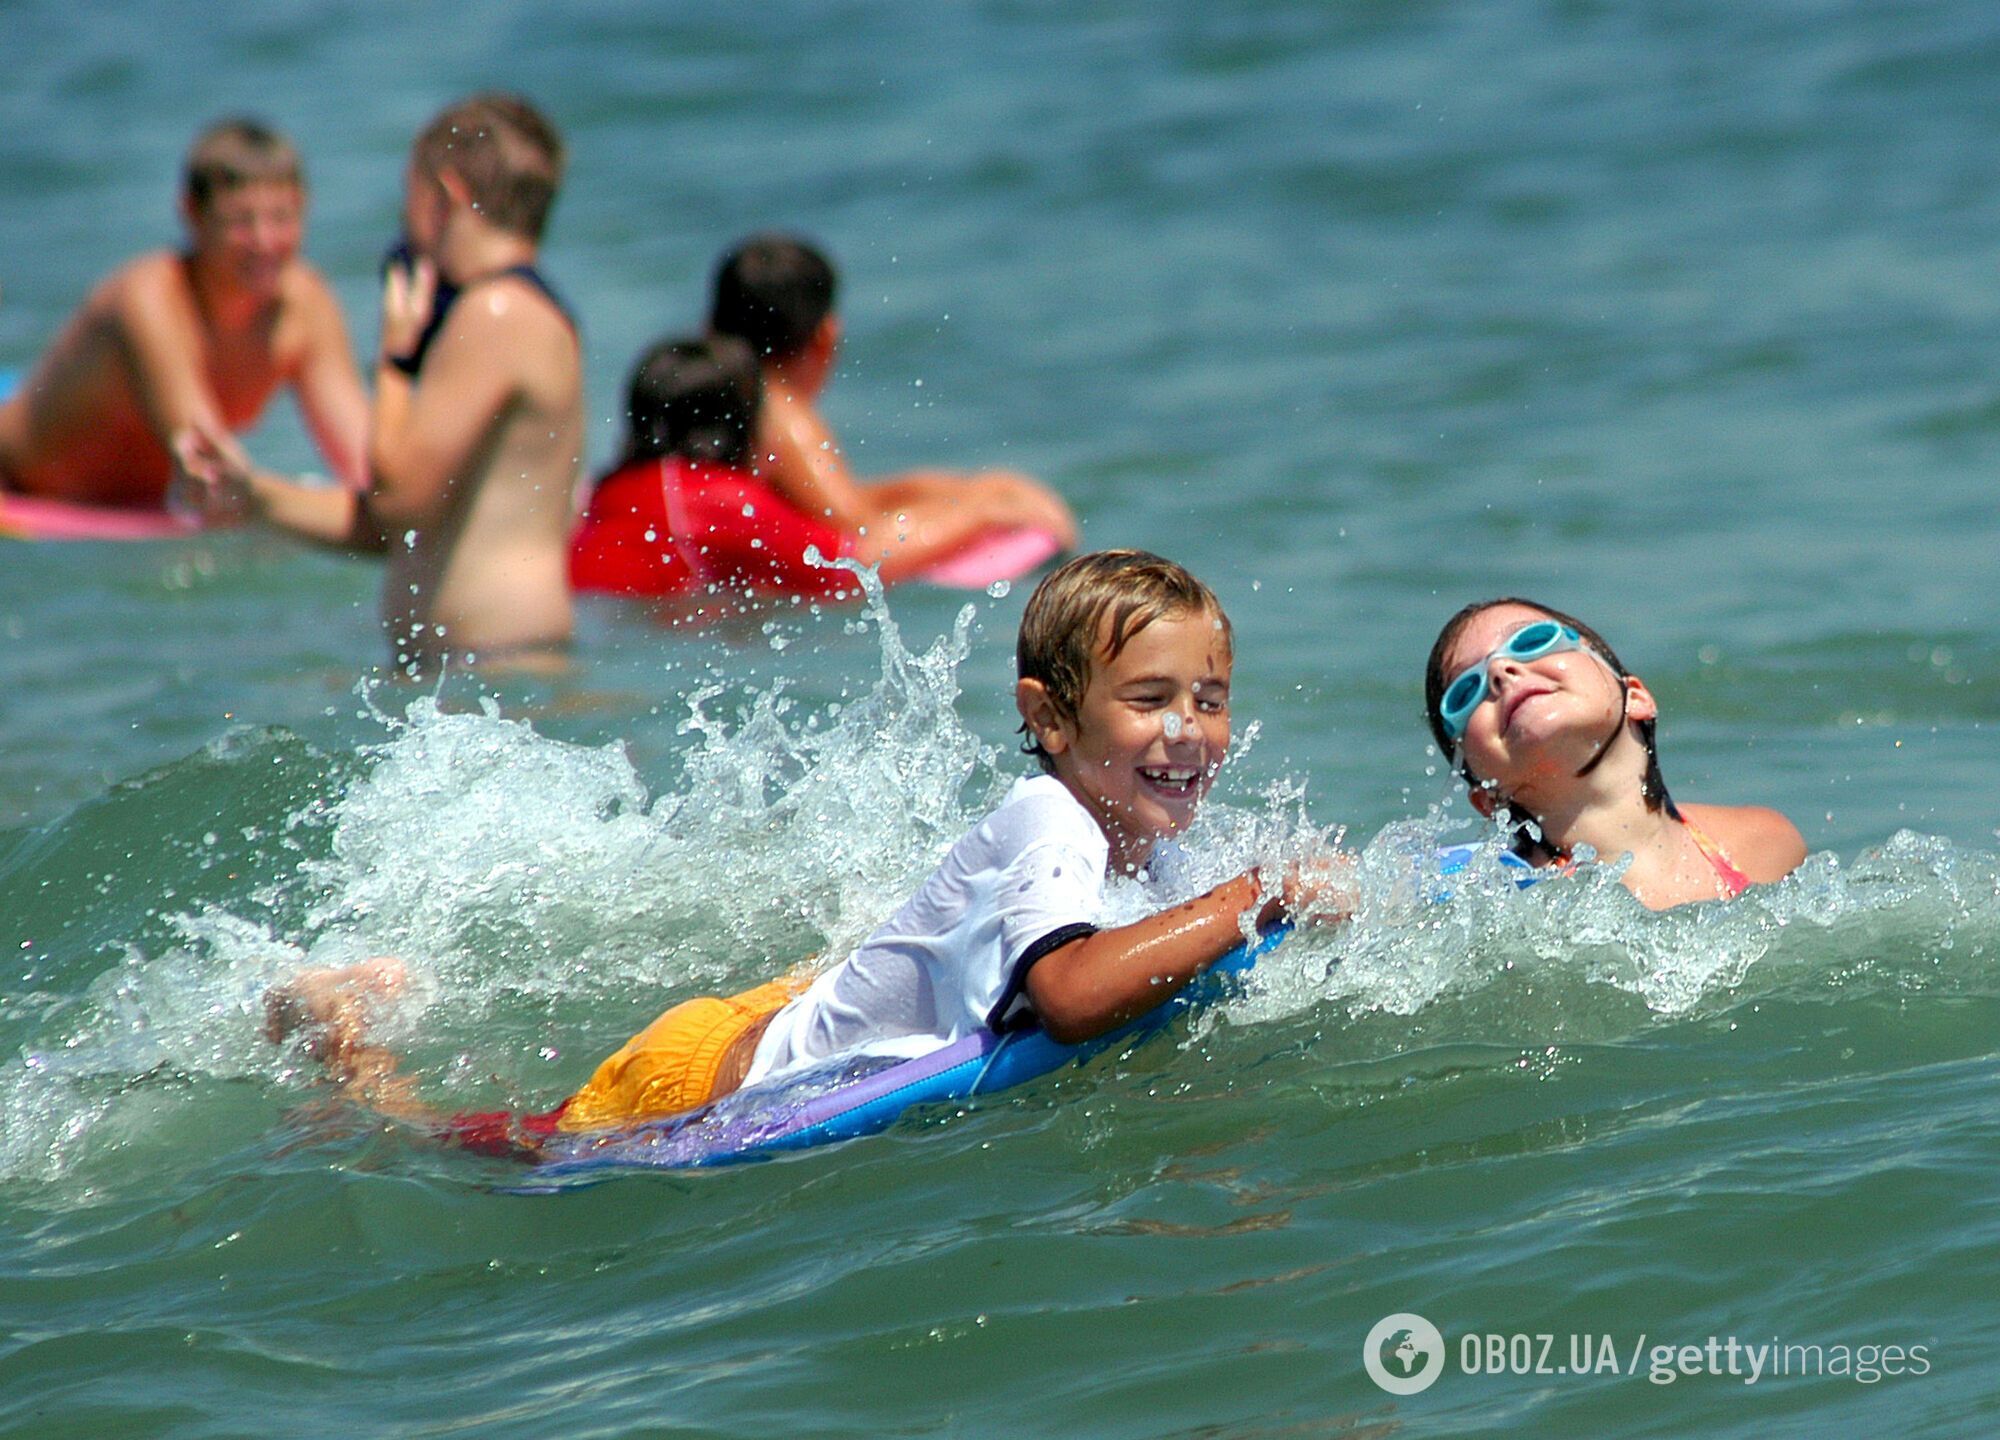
777 293
476 437
201 338
1125 663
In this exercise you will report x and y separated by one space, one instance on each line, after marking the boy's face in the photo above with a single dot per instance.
1149 735
252 232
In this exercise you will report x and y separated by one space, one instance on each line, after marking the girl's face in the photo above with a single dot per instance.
1543 720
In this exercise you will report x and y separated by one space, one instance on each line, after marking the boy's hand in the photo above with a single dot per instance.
1319 889
211 475
408 292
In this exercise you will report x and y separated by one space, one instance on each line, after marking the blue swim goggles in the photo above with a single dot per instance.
1468 688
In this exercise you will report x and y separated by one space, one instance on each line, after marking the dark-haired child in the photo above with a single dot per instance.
1543 720
777 292
688 510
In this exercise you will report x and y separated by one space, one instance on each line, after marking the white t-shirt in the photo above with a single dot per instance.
934 972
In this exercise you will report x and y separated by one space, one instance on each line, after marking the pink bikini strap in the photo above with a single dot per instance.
1734 881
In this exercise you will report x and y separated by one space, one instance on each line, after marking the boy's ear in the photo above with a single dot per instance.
1483 800
455 189
1044 720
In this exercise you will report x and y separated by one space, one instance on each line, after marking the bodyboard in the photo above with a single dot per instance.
846 1099
30 517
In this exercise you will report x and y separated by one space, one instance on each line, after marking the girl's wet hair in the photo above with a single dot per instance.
1653 786
696 398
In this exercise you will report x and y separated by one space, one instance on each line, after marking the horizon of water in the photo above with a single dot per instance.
1678 319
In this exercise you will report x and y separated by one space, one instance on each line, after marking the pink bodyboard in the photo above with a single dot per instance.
27 517
1001 555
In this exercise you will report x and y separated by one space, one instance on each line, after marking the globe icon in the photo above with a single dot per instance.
1404 1353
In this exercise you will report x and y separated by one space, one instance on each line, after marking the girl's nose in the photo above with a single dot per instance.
1503 668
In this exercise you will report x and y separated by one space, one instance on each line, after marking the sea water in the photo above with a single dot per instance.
1680 318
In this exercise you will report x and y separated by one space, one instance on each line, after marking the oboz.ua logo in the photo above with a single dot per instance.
1403 1354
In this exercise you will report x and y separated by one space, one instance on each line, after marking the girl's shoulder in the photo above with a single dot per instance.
1759 841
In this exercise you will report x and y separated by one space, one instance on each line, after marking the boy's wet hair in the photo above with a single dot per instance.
1060 626
1653 787
696 398
507 152
235 152
773 291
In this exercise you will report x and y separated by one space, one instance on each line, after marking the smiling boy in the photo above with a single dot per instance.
203 337
1124 663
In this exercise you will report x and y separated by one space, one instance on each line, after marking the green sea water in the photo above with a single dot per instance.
1679 317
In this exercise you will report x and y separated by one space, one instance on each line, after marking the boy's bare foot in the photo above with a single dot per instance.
334 1005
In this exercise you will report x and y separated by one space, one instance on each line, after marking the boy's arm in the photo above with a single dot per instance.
800 459
326 514
163 341
903 525
902 547
1097 983
228 488
329 387
424 436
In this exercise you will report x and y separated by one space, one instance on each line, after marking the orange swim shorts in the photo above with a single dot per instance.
672 1065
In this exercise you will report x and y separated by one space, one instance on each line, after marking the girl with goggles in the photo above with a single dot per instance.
1545 722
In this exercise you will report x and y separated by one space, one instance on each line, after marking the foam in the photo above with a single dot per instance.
547 900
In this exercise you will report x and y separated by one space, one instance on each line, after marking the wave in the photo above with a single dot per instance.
548 902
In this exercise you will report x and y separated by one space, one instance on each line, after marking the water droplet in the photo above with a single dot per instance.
1000 589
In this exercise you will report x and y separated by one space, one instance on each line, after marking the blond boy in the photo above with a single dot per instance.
1125 664
202 337
477 431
